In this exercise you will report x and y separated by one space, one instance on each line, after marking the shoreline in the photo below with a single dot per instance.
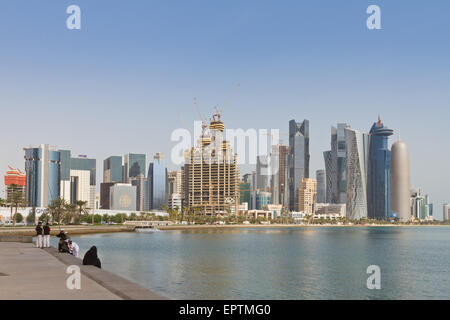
72 230
241 226
82 230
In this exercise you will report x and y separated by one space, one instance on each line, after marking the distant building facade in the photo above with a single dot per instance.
421 206
42 168
400 182
113 169
123 197
15 181
157 182
78 178
321 186
134 165
105 189
357 148
307 196
336 165
212 173
446 213
379 173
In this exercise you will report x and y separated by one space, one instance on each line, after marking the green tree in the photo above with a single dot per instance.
82 207
16 200
57 210
70 213
19 217
97 218
31 217
45 217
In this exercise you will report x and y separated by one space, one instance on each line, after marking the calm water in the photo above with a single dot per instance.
294 263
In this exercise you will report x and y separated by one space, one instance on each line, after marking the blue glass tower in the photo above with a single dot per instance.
157 182
42 166
378 176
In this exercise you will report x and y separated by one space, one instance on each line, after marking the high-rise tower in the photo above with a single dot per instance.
400 181
378 177
42 167
298 158
335 165
357 144
211 173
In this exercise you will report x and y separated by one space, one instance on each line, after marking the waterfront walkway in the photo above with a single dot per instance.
29 273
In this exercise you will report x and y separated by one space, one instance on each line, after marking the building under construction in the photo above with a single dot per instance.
211 173
15 181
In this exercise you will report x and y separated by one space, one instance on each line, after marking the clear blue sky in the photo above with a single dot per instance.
126 80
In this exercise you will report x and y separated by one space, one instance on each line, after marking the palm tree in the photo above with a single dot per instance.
70 212
82 207
2 202
16 200
57 210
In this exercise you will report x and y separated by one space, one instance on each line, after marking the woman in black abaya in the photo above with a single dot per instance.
91 258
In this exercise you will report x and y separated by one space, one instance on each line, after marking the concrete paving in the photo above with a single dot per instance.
29 273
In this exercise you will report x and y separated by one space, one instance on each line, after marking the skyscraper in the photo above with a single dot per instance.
134 165
78 178
244 189
335 165
298 158
113 169
157 182
42 167
262 172
446 213
212 172
307 196
379 171
421 208
329 170
321 186
400 181
357 145
278 170
140 182
15 181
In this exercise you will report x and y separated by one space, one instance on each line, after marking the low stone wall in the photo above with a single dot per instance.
72 230
121 287
23 239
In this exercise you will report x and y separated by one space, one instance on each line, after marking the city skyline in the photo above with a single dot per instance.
79 106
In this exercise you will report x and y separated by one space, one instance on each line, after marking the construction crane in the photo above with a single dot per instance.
204 125
227 101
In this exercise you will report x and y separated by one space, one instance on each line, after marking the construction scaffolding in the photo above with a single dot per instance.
211 173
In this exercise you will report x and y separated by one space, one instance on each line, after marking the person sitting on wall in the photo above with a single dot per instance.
73 248
91 258
62 244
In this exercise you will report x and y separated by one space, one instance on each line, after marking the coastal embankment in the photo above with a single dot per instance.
71 229
231 226
30 273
